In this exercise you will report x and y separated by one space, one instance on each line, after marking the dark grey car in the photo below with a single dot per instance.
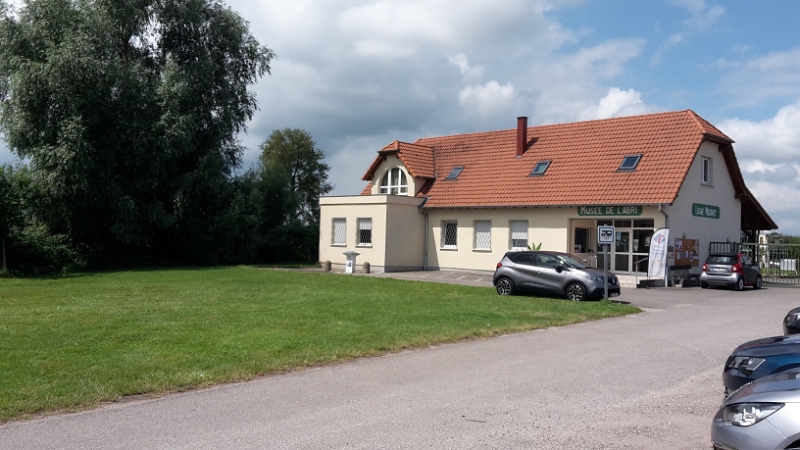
552 272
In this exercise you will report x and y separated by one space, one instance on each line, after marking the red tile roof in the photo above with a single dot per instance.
584 159
418 159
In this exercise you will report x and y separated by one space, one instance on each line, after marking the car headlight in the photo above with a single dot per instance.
747 414
745 364
594 277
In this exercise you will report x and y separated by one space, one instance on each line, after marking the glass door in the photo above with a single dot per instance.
622 249
642 233
631 247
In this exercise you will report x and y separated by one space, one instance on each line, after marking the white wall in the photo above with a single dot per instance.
720 193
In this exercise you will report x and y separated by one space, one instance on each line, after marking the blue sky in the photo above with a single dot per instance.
358 74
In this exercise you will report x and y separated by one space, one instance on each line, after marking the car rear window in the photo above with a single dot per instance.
722 259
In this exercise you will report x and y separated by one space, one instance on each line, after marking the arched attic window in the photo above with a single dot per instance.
394 182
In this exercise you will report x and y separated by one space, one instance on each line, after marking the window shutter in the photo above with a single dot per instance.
483 235
519 234
339 232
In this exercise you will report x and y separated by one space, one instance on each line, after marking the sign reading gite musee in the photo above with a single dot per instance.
597 210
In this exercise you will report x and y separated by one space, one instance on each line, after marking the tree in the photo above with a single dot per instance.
10 208
296 152
127 110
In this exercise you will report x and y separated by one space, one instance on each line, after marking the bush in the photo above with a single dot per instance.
30 252
292 243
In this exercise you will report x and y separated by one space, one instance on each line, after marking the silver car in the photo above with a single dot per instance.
735 270
552 272
762 415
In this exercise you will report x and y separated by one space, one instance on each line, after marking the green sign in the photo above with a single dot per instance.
609 210
698 210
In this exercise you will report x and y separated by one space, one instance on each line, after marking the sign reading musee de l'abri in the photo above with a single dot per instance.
599 210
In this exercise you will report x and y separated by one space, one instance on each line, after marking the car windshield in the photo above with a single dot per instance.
572 261
721 259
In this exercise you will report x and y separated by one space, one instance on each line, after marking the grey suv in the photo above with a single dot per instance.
553 272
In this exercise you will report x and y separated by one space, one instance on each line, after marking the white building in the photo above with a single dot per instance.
462 201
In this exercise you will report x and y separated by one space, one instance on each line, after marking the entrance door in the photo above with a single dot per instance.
622 251
631 245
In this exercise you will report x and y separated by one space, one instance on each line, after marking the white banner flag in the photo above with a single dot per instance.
658 253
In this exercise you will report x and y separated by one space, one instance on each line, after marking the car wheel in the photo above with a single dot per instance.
576 292
739 284
704 285
505 286
757 284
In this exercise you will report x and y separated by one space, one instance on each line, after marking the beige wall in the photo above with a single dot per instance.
720 193
552 227
395 222
405 237
545 225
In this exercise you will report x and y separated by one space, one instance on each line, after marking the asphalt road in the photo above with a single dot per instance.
647 381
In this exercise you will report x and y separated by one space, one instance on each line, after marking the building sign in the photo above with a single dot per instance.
592 210
698 210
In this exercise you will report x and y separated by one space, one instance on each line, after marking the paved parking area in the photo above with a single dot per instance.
646 381
471 278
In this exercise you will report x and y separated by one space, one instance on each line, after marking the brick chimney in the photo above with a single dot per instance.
522 135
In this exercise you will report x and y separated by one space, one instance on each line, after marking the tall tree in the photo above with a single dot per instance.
126 109
296 152
10 209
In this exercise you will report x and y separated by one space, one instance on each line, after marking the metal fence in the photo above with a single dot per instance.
779 263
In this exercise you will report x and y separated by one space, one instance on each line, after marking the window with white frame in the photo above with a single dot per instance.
364 233
394 182
519 234
339 235
705 167
449 234
483 235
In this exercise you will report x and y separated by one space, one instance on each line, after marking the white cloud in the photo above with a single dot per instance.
772 141
361 67
769 157
701 18
701 15
467 71
747 83
616 103
488 100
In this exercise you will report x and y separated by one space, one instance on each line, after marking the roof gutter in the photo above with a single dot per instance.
666 217
718 138
425 248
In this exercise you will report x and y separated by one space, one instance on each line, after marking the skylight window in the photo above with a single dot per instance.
630 162
455 173
540 168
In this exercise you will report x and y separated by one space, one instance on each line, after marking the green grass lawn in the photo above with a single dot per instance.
74 342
